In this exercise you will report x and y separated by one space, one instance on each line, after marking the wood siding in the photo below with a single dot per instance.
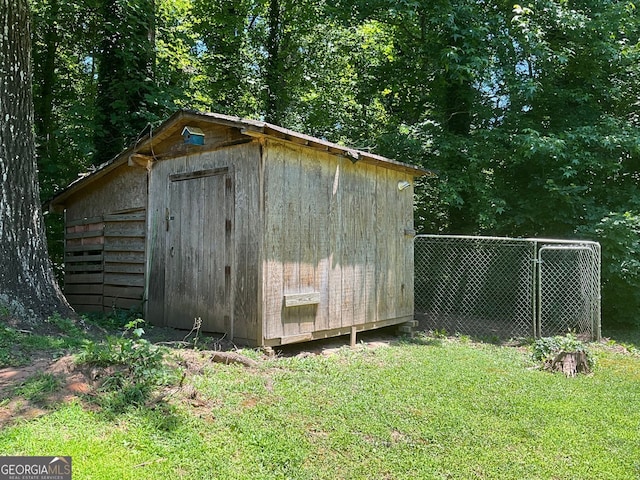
123 189
268 240
105 262
334 230
239 191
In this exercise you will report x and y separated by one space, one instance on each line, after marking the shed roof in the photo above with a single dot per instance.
248 127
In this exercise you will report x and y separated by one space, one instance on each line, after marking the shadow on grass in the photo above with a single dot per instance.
623 334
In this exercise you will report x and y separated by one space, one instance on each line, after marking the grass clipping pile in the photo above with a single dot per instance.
566 354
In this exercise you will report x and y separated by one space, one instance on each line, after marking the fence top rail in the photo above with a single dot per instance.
510 239
566 247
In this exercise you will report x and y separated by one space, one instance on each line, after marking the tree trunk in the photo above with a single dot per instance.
570 363
125 75
274 108
28 289
44 120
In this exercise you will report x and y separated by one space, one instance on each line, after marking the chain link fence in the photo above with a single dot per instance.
507 288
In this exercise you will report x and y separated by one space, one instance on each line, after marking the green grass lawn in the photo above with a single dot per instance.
424 409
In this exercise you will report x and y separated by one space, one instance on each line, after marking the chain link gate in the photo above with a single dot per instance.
568 290
507 288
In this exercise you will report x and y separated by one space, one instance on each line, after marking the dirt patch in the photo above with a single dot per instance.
370 339
74 384
79 383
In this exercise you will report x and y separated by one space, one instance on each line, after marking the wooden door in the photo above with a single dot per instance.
197 269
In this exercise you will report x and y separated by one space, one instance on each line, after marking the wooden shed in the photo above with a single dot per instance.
265 234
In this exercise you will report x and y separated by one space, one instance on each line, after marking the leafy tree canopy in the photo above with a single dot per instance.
529 113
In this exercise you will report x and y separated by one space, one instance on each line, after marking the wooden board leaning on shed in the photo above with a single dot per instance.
105 261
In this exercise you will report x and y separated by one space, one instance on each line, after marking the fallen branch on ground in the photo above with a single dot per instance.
233 358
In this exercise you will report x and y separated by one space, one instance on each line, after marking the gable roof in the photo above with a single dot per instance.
249 128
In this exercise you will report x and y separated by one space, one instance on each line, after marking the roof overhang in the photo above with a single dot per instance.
141 153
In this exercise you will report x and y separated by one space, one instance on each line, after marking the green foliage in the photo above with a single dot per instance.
547 348
67 326
18 347
619 236
134 367
9 354
38 387
526 112
115 320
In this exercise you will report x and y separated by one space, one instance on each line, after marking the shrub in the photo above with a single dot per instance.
134 367
619 237
547 350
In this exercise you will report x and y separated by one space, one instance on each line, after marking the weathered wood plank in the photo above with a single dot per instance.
335 332
84 299
133 246
349 207
300 299
88 308
124 257
323 244
157 229
88 234
84 221
83 268
335 241
121 303
123 279
229 238
123 292
292 239
248 230
83 248
124 244
83 278
83 289
274 206
83 258
175 257
138 233
385 239
310 196
179 177
361 241
371 246
126 225
406 294
124 268
126 217
93 241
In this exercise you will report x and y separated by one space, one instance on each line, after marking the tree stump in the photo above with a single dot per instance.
570 363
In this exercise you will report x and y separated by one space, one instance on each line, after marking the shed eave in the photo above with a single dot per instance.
257 128
248 127
57 202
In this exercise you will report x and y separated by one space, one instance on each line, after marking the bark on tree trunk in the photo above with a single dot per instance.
44 120
27 285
